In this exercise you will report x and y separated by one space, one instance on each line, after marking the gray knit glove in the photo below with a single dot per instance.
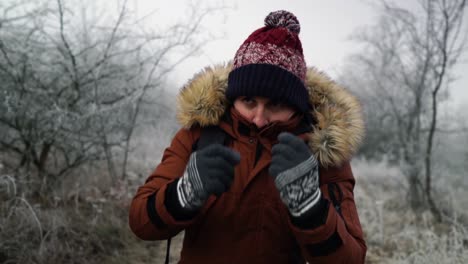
295 171
209 171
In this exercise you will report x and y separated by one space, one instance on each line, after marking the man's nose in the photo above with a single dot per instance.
260 117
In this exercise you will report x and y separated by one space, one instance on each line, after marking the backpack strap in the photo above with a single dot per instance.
209 135
168 251
333 197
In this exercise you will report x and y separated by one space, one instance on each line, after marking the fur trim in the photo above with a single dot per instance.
340 126
201 101
336 137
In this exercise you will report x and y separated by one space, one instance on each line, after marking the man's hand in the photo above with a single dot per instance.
295 171
209 171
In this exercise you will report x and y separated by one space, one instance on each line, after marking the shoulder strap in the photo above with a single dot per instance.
168 251
211 135
335 200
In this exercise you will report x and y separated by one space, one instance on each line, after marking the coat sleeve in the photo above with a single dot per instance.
337 238
149 217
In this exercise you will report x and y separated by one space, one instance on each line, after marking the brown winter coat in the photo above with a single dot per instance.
249 223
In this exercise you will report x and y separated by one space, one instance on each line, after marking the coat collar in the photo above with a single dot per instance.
238 127
339 127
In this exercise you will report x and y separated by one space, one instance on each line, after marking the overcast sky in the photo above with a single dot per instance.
325 30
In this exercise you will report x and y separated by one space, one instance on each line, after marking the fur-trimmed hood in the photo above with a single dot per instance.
335 138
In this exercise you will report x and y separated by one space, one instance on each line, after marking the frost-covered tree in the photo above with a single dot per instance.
403 75
74 78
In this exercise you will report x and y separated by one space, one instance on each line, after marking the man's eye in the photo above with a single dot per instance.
277 104
247 100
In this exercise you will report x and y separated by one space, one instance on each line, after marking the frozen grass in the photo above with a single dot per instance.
394 234
93 230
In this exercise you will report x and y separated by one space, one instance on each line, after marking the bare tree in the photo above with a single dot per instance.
73 84
406 67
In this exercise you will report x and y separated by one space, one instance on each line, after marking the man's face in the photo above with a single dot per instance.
262 111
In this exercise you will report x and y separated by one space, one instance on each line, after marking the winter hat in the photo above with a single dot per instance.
270 63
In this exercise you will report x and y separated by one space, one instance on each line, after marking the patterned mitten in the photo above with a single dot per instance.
209 171
295 171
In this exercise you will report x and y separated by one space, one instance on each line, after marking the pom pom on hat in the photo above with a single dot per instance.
284 19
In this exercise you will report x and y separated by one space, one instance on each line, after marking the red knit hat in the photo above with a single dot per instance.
270 63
